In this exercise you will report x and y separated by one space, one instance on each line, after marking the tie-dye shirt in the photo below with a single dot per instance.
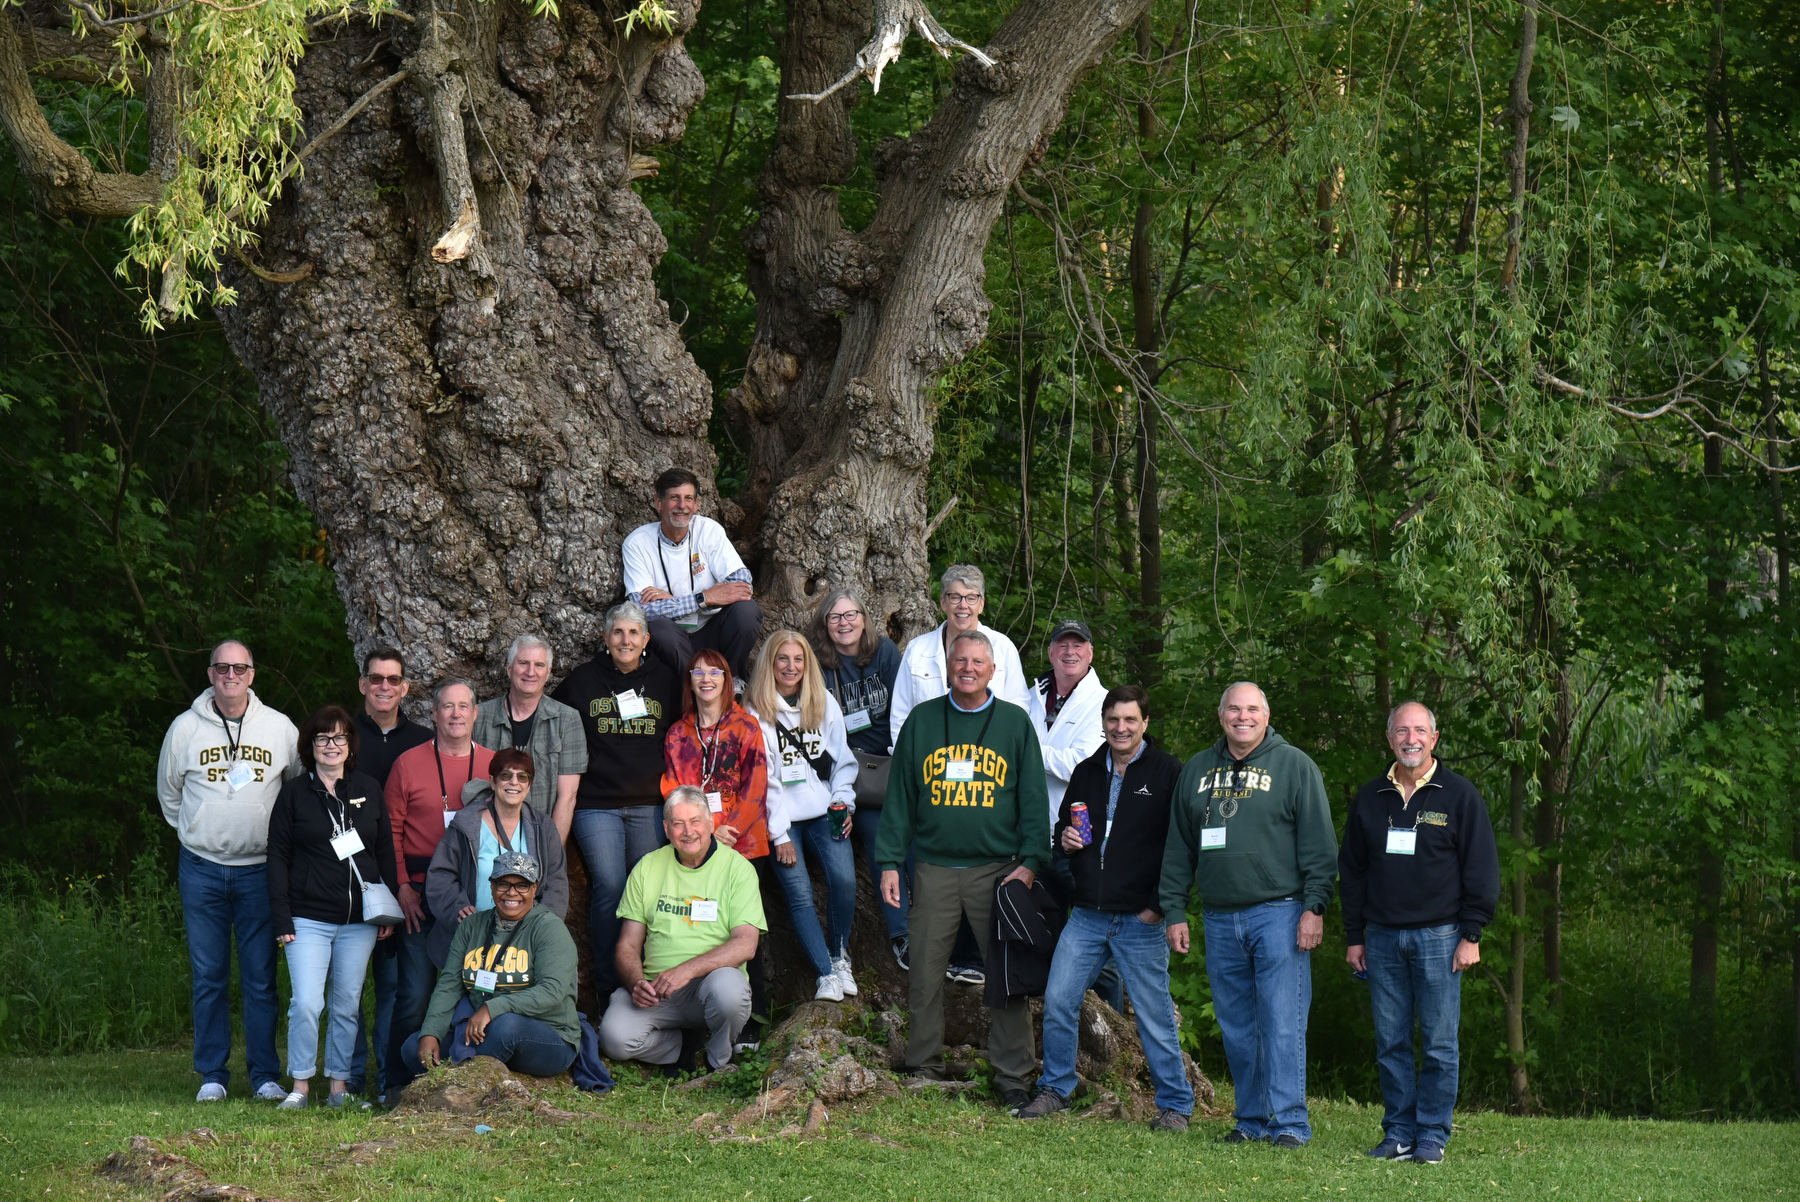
729 761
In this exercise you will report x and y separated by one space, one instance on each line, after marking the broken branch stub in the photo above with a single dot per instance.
893 19
433 73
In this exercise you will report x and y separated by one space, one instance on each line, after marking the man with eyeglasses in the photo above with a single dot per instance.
690 580
384 734
223 762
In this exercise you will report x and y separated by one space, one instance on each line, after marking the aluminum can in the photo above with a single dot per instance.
1084 826
840 817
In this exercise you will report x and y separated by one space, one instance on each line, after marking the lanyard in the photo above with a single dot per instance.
1237 773
665 567
980 739
340 821
497 955
512 729
443 790
231 745
708 751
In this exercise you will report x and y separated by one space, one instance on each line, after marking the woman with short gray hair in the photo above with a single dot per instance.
627 701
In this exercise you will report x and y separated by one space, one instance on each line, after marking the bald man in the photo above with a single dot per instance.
1250 830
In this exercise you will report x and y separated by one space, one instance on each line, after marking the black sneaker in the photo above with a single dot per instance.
1390 1149
901 946
1047 1103
1237 1135
965 974
1428 1154
1169 1120
1289 1141
1014 1100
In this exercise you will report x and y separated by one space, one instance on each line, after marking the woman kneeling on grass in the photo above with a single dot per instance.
507 988
328 834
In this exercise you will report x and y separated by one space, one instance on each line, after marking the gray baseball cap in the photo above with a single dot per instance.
515 863
1071 626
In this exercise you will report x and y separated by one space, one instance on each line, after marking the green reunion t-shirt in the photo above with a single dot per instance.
665 896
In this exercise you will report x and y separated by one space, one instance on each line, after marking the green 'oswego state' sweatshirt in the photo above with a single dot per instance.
1278 837
1001 813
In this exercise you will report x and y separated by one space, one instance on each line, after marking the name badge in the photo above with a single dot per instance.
715 802
238 776
449 817
631 705
486 980
857 720
703 910
1402 843
347 844
960 770
793 771
1212 838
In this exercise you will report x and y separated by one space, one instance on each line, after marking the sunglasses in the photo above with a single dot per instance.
378 678
520 889
234 669
514 774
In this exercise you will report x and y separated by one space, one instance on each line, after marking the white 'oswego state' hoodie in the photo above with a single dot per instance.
214 821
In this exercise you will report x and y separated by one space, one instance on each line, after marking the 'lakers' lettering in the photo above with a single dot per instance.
1221 782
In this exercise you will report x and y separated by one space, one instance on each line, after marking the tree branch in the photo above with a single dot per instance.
893 18
445 93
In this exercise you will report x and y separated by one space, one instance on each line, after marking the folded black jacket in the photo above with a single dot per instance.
306 878
1124 878
1453 875
1021 941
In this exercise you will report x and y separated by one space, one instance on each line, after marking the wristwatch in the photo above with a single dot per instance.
1318 909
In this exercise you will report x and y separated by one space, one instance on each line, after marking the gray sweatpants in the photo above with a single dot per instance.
941 896
719 1002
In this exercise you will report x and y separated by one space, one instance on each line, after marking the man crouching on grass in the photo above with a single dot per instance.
692 915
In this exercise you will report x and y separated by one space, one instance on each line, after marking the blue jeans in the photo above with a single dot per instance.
525 1045
865 828
611 843
1060 881
1262 992
839 863
417 976
217 901
1141 953
384 970
1410 978
320 949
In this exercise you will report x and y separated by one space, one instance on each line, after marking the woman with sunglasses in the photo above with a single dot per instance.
494 821
328 833
717 746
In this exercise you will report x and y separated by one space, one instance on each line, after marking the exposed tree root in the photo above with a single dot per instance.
174 1177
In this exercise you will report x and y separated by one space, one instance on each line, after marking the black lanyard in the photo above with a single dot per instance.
498 955
231 745
708 751
1238 770
443 789
665 565
980 739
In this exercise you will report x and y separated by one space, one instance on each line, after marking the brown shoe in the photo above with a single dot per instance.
1170 1120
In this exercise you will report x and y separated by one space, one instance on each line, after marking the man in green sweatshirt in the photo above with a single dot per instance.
966 789
1251 830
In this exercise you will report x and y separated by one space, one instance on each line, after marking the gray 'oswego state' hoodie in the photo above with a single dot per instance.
215 821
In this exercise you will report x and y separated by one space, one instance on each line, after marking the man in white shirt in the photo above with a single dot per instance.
922 675
690 581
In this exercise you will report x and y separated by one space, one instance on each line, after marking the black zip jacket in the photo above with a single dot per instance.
376 752
306 878
1127 876
1022 935
1453 875
625 755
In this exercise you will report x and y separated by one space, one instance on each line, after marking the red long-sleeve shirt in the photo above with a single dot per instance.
417 803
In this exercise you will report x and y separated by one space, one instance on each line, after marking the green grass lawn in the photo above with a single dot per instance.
60 1117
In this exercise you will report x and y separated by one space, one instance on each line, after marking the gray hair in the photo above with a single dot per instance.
531 642
212 657
626 611
451 682
973 636
963 573
684 795
1243 684
1428 714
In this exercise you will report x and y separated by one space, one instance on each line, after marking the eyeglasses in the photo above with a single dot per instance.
338 740
514 774
962 598
378 678
234 669
512 888
845 618
707 673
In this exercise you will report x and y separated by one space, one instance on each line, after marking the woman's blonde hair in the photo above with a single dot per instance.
762 696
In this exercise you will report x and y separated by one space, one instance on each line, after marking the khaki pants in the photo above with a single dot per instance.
718 1003
941 896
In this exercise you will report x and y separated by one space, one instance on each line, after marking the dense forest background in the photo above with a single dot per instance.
1369 350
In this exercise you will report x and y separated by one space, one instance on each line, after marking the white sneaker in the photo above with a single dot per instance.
840 968
293 1101
270 1091
830 989
212 1091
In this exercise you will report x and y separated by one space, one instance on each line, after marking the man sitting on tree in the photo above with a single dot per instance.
689 579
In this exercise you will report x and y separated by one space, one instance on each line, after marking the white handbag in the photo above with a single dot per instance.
379 905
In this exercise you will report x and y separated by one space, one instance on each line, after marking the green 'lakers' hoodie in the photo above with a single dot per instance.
1273 833
999 812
